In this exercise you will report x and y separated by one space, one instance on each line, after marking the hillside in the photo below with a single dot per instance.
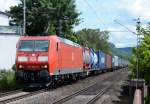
127 50
121 52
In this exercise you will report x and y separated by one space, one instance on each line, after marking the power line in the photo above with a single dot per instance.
125 27
95 13
116 31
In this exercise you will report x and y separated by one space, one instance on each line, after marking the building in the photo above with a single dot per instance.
4 18
8 40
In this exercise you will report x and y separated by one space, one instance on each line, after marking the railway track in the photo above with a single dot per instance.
3 94
92 101
102 92
18 96
96 90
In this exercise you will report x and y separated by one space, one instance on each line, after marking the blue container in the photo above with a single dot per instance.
93 59
101 64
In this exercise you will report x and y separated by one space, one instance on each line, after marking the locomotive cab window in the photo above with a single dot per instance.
26 45
33 45
41 45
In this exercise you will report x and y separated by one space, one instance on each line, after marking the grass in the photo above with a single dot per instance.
8 81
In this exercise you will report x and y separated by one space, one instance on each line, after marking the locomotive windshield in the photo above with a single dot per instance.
33 45
41 45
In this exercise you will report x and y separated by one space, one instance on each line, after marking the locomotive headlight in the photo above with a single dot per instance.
22 58
43 58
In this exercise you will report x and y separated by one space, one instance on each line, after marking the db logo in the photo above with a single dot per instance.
32 58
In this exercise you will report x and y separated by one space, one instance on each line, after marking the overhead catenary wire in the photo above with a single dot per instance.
116 31
99 19
125 27
95 13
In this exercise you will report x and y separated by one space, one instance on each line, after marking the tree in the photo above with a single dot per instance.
144 56
42 15
94 38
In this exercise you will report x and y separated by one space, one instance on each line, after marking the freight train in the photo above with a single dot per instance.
47 60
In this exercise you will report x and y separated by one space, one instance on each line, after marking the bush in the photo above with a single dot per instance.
147 100
14 67
7 80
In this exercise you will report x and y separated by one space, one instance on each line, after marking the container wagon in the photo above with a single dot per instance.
108 61
101 64
116 64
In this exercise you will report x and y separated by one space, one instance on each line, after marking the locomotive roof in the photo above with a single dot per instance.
34 37
66 41
69 42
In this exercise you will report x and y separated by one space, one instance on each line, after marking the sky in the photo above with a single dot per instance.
100 14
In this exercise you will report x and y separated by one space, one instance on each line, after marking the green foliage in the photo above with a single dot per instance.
14 67
118 52
7 80
133 63
42 15
94 38
144 57
147 100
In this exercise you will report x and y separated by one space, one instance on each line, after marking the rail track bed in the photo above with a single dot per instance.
19 94
75 93
92 93
3 94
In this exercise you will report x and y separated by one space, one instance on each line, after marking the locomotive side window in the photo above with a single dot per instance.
26 45
31 45
41 45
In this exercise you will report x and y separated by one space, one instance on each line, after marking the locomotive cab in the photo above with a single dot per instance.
45 60
32 59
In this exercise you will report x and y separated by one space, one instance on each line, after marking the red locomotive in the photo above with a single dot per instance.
48 58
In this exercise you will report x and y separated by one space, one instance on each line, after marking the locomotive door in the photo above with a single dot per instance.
59 66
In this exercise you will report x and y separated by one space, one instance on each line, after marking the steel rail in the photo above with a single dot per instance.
3 94
102 92
67 98
21 96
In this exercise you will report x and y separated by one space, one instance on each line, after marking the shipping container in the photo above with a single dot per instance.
93 59
101 65
86 58
113 62
108 62
119 62
116 62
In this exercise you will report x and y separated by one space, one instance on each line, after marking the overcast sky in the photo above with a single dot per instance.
102 13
